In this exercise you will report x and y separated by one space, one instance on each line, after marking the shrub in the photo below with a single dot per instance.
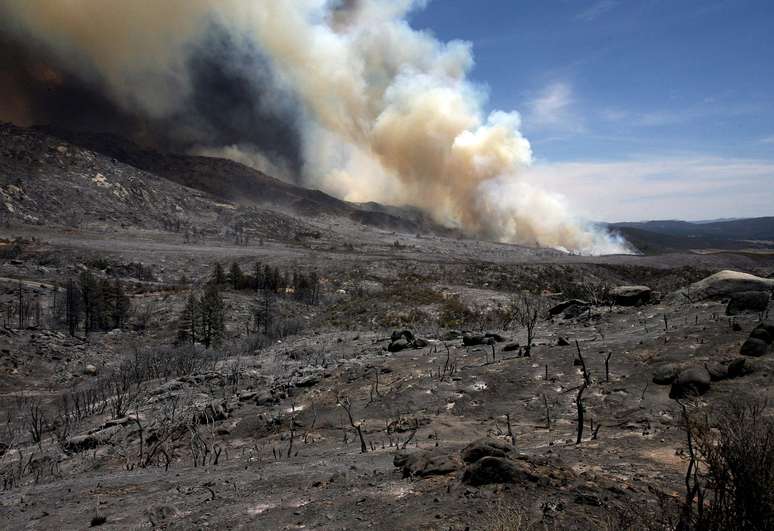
730 478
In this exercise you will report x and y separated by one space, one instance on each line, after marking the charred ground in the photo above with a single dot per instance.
132 427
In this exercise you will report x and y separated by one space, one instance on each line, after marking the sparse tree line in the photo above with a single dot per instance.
88 304
92 304
203 317
302 287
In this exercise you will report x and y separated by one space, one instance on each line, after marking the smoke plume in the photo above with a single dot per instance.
340 94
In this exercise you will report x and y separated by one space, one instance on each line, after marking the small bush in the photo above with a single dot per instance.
730 479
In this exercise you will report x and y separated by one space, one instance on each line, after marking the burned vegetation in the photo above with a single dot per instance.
179 362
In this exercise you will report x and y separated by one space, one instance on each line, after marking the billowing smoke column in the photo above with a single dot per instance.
344 93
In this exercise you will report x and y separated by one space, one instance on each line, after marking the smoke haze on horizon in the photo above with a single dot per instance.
344 95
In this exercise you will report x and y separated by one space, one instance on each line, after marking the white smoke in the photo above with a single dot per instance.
388 112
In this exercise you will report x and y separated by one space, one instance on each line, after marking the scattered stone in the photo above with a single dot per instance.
497 337
631 295
739 367
576 311
469 340
397 346
754 347
308 381
266 399
486 447
764 332
425 463
748 302
564 305
420 343
402 334
691 382
666 374
717 371
489 470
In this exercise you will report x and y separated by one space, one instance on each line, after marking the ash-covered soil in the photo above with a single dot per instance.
308 413
254 433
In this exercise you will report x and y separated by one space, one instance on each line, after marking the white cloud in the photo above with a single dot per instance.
553 109
597 9
689 187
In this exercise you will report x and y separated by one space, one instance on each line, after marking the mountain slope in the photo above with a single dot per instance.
235 182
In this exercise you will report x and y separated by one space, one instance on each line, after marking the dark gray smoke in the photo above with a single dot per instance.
232 101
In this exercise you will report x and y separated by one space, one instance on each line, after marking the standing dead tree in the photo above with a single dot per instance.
526 310
586 373
346 404
581 410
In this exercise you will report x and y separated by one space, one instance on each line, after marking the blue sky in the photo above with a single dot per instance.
636 109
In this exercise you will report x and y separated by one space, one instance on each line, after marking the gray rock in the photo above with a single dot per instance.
90 370
420 343
739 367
564 305
397 346
497 337
489 470
723 284
764 332
691 382
754 347
469 340
308 381
666 374
631 295
425 463
486 448
402 334
717 371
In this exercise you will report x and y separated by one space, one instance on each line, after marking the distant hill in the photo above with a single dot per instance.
653 237
237 183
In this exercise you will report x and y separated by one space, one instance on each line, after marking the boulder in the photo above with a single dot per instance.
564 305
308 381
420 343
724 284
425 463
402 334
576 310
717 371
266 399
489 470
497 337
397 346
748 302
90 370
754 347
631 295
481 448
691 382
470 340
739 367
665 374
764 332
